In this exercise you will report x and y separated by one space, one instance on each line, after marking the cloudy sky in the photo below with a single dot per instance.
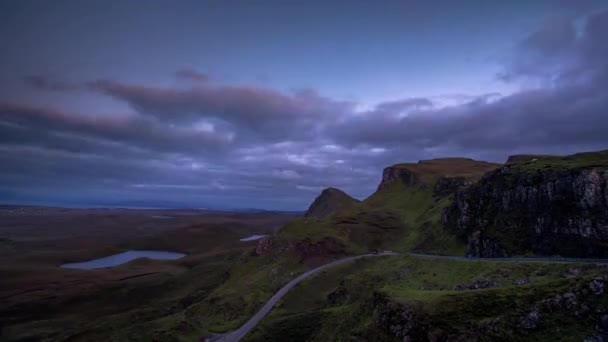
261 104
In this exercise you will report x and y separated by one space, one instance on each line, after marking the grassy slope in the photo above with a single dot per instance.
421 213
250 284
406 218
330 200
399 217
306 314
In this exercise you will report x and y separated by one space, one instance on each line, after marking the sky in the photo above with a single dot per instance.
262 104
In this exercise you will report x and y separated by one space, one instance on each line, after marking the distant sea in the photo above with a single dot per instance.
140 206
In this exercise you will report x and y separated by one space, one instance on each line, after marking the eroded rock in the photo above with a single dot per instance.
550 212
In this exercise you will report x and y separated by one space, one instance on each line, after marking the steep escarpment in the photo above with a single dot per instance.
543 205
428 171
394 174
448 185
329 201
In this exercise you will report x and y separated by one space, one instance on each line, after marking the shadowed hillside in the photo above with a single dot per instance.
329 201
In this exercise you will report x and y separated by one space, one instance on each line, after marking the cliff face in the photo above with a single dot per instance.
329 201
449 185
394 174
449 172
532 207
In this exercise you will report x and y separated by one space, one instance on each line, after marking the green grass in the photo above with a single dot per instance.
579 161
250 284
398 217
428 286
329 201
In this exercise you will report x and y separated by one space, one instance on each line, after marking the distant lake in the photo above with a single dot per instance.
253 237
122 258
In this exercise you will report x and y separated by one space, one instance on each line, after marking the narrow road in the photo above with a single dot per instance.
531 259
236 335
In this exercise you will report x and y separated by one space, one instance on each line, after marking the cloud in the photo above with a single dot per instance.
191 75
244 145
45 127
401 106
253 111
44 83
562 51
569 111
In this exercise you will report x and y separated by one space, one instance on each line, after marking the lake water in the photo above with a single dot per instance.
121 258
253 237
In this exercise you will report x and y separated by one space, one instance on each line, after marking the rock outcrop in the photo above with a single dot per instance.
305 249
540 208
452 172
339 296
404 321
448 185
409 321
521 158
328 246
393 174
329 201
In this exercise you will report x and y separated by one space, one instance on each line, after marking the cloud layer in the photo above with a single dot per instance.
203 143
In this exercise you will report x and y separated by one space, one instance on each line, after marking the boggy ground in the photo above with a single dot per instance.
141 300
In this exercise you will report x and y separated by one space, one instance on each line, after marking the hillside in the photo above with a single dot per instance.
408 297
546 205
403 214
329 201
405 298
414 298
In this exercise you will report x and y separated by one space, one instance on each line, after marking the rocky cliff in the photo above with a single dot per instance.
448 185
304 249
329 201
393 174
543 205
454 172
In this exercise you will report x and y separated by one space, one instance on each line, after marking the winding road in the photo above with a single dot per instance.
236 335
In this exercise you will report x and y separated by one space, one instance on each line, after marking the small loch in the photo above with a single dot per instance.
253 238
122 258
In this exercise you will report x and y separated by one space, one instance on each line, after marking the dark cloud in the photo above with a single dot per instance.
247 144
561 52
28 125
253 111
570 111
